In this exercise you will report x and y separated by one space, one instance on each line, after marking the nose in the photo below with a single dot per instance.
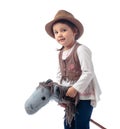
59 34
29 109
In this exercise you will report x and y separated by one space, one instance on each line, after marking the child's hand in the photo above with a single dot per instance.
71 92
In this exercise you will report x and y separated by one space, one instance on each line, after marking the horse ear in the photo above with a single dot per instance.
49 81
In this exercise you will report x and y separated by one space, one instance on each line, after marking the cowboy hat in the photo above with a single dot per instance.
64 15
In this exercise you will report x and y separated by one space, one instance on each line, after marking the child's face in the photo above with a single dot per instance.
64 35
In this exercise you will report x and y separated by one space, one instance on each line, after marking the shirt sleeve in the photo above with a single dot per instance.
84 56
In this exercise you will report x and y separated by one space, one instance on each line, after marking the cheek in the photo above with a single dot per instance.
71 36
74 34
55 36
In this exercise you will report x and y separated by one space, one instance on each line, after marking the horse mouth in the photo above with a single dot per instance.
32 108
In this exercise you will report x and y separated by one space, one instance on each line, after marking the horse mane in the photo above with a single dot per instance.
70 104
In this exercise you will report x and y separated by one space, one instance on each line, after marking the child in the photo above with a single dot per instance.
75 67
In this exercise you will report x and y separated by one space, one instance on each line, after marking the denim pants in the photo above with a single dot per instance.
82 116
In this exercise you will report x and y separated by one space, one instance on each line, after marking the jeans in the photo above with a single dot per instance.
82 116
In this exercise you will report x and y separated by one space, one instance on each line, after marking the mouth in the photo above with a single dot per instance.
61 40
32 108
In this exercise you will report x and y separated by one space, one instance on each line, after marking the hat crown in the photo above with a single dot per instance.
63 13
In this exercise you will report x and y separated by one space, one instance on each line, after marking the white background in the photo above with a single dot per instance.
28 56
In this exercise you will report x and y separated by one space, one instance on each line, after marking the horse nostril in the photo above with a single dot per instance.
31 106
43 98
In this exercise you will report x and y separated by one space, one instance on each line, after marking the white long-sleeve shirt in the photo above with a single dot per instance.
87 85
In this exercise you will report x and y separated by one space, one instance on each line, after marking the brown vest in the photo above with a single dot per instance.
70 67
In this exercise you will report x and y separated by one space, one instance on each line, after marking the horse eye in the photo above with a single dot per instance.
43 98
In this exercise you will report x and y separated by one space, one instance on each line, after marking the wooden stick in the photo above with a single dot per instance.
97 124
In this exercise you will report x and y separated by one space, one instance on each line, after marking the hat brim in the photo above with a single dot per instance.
77 23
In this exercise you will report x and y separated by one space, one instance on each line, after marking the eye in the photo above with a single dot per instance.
43 98
55 32
64 30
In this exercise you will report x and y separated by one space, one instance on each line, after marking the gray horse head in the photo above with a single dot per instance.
50 90
41 96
